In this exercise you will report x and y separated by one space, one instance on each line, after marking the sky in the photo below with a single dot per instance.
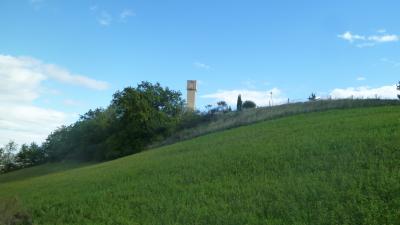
58 59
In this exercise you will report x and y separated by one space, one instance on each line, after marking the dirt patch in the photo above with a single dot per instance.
12 213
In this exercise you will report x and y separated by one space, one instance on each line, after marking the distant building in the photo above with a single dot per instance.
191 94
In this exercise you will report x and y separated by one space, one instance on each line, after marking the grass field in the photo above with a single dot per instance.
333 167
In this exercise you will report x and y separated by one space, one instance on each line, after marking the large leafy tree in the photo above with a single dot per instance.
144 114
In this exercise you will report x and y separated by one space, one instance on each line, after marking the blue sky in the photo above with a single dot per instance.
60 58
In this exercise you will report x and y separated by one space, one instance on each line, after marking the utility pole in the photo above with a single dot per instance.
271 100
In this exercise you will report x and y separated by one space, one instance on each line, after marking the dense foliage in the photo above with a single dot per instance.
249 105
135 118
333 167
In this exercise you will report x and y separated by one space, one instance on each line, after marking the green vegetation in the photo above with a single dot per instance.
239 103
333 167
219 122
40 170
249 105
12 213
135 118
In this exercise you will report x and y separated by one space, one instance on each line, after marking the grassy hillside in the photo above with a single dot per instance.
333 167
233 119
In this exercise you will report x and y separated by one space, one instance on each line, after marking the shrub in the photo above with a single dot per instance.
312 97
249 105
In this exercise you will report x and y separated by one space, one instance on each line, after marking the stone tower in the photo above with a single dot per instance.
191 94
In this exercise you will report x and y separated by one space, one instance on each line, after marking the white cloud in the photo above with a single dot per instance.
25 122
201 65
361 78
385 92
21 80
369 41
125 14
34 71
348 36
261 98
384 38
104 19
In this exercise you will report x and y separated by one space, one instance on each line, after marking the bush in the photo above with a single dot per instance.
249 105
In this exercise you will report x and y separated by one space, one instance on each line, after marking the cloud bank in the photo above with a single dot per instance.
384 92
21 80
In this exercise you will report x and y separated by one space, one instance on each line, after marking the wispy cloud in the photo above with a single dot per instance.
104 19
72 102
93 8
35 71
125 14
371 40
261 98
384 92
382 31
391 62
200 65
36 4
361 78
384 38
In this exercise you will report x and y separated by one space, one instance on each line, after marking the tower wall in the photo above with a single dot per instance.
191 94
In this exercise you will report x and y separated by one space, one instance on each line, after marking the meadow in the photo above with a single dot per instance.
339 166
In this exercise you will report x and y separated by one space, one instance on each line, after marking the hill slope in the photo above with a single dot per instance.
334 167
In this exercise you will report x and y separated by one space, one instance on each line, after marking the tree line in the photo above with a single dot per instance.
136 117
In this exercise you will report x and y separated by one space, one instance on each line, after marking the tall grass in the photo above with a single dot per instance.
333 167
235 119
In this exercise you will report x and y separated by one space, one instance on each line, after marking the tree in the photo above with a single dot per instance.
239 103
7 157
312 97
249 105
30 155
144 114
222 106
58 145
398 88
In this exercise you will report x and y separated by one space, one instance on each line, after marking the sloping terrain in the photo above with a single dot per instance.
333 167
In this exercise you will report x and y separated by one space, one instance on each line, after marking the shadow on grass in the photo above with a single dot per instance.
40 170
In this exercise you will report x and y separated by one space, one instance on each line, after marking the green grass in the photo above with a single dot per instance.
40 171
333 167
233 119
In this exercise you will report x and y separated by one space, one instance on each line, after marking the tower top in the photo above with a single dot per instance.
191 85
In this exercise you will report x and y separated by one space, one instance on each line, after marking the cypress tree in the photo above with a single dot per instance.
239 103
